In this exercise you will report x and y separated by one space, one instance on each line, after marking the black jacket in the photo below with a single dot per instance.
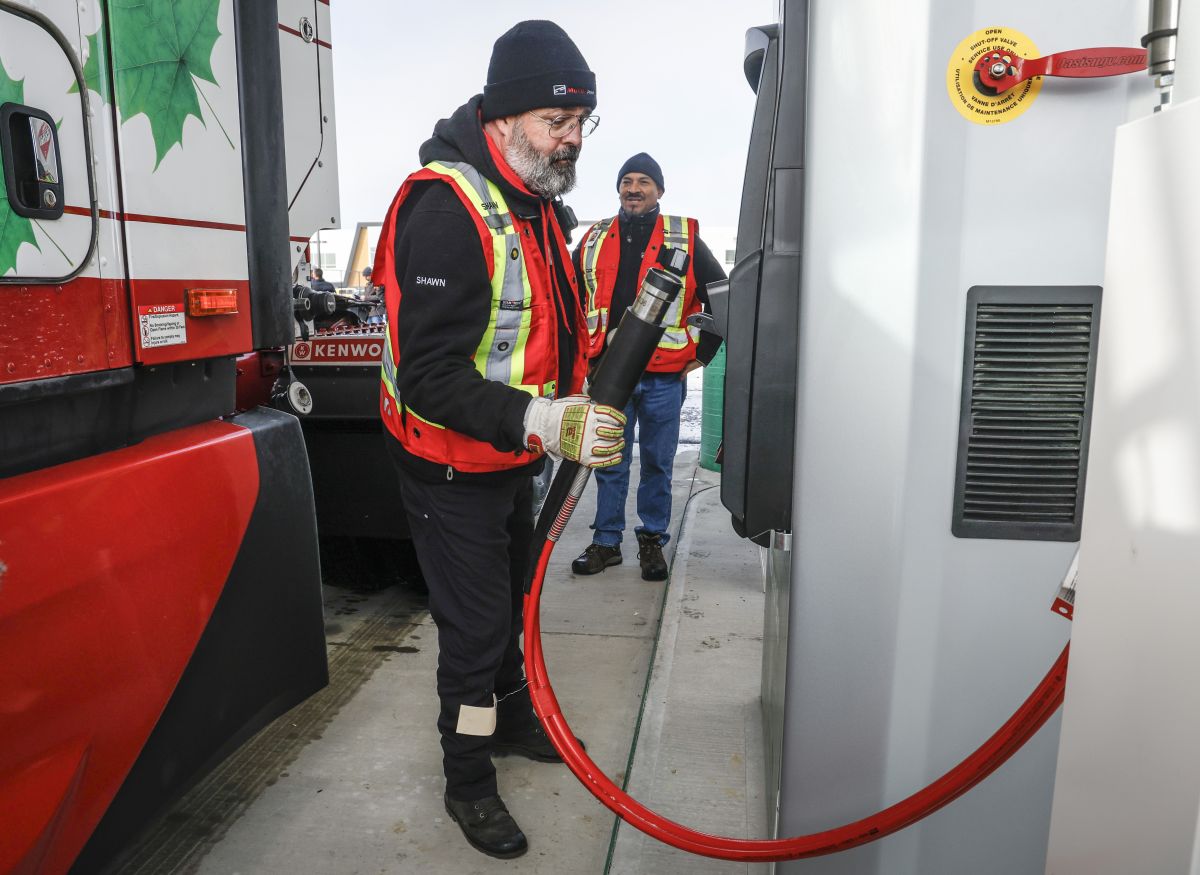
439 326
635 237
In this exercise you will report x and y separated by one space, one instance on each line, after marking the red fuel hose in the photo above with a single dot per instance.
1024 723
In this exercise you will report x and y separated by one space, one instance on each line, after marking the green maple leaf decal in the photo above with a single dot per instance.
14 229
95 71
160 48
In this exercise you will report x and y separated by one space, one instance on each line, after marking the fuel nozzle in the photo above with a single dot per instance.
632 343
630 348
660 288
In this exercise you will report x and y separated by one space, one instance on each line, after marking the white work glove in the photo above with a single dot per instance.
576 428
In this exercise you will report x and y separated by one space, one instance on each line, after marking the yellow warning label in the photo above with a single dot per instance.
971 95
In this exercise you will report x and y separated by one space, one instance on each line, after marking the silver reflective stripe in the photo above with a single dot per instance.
474 179
675 235
591 255
676 337
508 321
675 232
389 366
492 216
512 287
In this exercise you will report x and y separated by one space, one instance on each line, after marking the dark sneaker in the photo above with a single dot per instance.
488 826
596 558
654 567
530 742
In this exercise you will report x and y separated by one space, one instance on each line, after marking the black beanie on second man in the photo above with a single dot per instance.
535 64
642 163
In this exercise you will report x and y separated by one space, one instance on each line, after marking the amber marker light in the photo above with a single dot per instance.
212 302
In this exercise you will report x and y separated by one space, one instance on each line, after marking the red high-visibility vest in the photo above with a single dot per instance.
599 261
519 347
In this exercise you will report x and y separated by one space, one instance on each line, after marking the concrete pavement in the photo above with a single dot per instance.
351 782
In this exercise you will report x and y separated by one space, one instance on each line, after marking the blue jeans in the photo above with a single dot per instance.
655 407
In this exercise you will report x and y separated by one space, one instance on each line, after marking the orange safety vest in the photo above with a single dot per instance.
600 259
520 344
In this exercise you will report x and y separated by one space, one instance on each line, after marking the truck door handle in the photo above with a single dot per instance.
998 71
32 164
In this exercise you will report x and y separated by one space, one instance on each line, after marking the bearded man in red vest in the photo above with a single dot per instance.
486 350
612 261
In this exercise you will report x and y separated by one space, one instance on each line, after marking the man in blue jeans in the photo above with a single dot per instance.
611 262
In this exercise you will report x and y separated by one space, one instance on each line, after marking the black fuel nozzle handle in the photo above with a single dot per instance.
630 349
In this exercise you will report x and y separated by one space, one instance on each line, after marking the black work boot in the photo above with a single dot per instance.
530 741
519 732
596 558
654 567
488 826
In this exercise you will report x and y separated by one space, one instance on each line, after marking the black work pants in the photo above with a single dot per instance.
473 541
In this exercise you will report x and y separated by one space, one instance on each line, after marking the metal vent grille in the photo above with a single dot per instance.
1028 378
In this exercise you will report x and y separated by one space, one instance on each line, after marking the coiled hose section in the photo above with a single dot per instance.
1007 740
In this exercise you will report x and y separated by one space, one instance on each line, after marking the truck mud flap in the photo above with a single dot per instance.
262 652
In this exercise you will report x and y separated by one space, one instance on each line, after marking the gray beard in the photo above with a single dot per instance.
538 171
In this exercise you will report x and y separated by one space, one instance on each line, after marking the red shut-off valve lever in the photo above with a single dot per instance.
999 70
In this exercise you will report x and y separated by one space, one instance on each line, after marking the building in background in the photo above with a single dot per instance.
361 253
722 240
343 253
328 252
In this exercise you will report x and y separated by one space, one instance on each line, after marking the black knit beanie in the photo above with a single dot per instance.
642 163
536 64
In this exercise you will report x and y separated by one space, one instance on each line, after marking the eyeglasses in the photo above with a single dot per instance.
561 125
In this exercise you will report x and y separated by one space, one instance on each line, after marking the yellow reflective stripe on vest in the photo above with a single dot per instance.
675 235
388 378
500 355
596 316
501 352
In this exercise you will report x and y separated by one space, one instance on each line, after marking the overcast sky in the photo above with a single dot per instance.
669 82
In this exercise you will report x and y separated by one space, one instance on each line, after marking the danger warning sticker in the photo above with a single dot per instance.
161 325
972 98
339 351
